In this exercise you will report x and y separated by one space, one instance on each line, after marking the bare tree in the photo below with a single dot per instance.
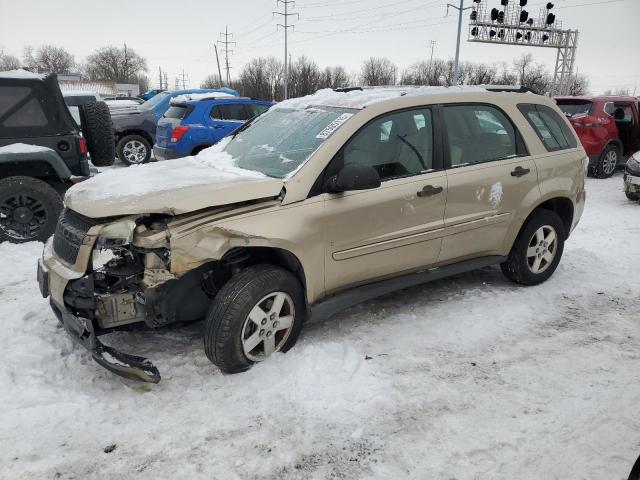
254 79
143 83
481 74
579 85
334 77
211 81
304 77
8 62
378 71
116 64
48 59
275 72
532 75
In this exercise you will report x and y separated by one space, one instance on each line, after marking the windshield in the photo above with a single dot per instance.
279 141
575 109
149 104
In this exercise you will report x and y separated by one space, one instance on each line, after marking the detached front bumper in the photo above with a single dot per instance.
85 331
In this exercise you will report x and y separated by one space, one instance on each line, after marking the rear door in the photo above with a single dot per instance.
398 227
227 117
489 175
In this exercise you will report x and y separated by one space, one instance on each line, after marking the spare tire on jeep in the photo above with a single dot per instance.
98 130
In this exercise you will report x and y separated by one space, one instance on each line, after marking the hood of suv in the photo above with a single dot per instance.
171 187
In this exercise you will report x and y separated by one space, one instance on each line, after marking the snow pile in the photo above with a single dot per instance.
367 96
23 148
21 74
194 97
468 377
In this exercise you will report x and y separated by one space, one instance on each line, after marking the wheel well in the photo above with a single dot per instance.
142 133
36 168
563 207
616 143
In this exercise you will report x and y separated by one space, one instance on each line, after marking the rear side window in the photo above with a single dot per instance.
575 109
232 112
552 129
20 108
177 111
478 134
256 109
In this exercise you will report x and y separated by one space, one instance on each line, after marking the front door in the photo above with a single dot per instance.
489 175
398 227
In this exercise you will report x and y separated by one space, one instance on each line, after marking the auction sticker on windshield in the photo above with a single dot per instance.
333 126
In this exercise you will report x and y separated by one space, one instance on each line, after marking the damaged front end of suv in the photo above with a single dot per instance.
105 275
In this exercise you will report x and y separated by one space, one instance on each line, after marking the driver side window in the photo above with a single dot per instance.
395 145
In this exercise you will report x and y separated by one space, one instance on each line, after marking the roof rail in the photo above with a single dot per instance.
509 88
347 89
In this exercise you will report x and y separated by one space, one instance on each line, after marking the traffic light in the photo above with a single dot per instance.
518 35
523 16
501 34
523 3
545 37
492 33
504 3
474 15
494 14
527 36
474 31
550 19
501 16
530 22
549 6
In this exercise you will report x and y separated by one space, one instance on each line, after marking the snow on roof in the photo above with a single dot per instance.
23 148
21 73
194 97
103 88
367 96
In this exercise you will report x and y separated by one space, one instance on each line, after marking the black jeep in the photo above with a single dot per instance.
42 152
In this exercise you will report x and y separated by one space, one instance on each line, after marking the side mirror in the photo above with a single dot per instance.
353 177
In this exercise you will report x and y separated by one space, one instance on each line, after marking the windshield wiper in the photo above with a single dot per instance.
245 126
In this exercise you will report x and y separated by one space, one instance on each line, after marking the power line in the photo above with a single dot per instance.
285 15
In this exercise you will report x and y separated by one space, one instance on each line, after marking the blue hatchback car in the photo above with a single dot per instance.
191 125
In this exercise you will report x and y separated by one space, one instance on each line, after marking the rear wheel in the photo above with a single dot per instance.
133 150
537 250
259 311
29 209
607 162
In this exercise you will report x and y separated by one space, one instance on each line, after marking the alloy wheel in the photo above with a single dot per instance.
268 326
134 151
610 161
542 249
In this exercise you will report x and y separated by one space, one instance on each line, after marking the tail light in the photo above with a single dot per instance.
177 133
588 122
82 145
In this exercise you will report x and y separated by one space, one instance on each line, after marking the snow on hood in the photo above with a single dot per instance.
188 97
367 96
21 73
174 187
23 148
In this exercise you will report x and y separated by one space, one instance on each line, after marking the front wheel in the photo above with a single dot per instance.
133 150
537 250
634 197
259 311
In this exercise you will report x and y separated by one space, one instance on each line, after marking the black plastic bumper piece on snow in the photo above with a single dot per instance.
128 366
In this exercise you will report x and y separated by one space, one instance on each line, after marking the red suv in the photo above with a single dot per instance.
608 127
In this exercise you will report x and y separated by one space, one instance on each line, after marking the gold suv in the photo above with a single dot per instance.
322 202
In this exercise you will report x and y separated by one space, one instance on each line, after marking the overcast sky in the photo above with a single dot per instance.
179 35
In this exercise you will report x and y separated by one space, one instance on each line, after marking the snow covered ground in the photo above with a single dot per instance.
466 378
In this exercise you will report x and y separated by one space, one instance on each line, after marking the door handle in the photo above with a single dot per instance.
429 190
519 171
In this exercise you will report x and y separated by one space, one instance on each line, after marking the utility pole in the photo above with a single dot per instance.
160 76
285 15
218 62
456 65
226 44
432 43
183 79
166 81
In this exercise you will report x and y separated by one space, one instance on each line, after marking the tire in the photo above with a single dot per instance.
521 267
133 150
634 197
29 210
607 163
228 320
98 130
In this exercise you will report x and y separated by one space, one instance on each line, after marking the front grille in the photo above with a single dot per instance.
71 230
